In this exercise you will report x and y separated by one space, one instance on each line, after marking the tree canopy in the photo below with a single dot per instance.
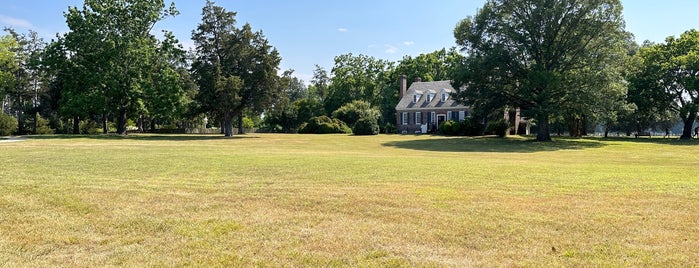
668 78
112 46
539 55
226 54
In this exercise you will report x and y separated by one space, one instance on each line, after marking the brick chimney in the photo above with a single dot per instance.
403 85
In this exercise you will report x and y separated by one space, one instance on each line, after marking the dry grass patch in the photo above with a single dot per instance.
337 200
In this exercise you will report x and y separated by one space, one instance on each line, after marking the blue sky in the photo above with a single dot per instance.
309 32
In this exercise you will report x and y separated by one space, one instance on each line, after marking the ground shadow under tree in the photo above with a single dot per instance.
495 145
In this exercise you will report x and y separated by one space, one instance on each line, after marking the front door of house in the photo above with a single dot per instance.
441 118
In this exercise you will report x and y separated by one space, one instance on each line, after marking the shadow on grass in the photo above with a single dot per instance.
496 145
655 140
140 137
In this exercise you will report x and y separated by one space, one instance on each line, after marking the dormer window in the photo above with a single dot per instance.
445 97
416 98
430 97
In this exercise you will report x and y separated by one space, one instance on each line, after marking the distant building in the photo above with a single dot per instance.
425 105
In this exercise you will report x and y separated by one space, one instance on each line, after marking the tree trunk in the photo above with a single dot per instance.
20 118
105 128
76 125
228 124
543 123
240 124
140 124
36 122
121 121
688 125
606 132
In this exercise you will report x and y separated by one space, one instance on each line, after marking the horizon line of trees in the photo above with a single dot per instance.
569 65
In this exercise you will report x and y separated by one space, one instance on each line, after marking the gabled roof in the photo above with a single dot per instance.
424 89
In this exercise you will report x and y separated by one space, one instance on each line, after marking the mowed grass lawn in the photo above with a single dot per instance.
312 200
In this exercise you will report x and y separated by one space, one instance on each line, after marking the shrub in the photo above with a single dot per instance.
447 128
89 127
498 127
324 125
42 126
248 123
366 126
8 124
388 128
351 112
471 127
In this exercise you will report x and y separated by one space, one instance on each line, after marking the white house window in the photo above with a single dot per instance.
448 115
462 115
404 118
430 97
433 116
418 118
445 97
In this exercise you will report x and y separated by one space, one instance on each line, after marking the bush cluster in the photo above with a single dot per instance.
468 127
366 126
498 127
324 125
8 124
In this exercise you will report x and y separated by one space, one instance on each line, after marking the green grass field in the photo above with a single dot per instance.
311 200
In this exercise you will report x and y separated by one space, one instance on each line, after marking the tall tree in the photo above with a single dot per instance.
670 74
225 52
8 66
538 54
112 42
26 87
357 78
165 97
320 84
284 111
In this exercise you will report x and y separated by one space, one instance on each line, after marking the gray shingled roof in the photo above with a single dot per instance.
424 89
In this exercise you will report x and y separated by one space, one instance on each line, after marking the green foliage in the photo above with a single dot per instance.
498 127
8 124
468 127
366 126
42 126
224 50
248 122
357 78
447 128
351 112
90 127
472 127
111 64
520 57
287 109
324 125
8 63
668 80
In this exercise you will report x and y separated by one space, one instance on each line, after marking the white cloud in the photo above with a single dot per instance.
390 49
408 43
15 22
342 30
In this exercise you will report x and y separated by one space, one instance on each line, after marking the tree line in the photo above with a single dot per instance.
569 65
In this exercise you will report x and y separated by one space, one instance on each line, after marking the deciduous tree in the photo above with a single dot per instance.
670 76
111 42
538 54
